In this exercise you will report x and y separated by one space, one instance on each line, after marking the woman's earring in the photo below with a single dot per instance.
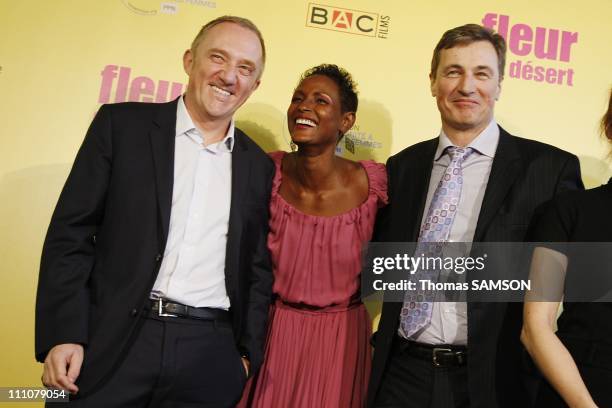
349 144
293 146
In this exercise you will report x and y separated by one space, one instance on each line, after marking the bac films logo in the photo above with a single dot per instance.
347 20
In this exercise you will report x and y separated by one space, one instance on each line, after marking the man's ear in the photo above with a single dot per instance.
256 84
498 91
260 70
432 85
188 61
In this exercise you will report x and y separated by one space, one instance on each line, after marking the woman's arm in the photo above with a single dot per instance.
542 303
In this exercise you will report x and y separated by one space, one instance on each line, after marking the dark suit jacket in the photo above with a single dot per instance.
525 173
107 235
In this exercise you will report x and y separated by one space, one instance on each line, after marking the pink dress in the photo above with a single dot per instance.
317 351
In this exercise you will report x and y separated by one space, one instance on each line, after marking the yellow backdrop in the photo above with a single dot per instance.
60 59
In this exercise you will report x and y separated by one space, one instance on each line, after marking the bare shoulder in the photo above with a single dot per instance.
287 163
355 176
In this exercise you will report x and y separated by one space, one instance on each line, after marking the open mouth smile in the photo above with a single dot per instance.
220 91
305 122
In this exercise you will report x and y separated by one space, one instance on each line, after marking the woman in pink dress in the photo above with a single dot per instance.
322 214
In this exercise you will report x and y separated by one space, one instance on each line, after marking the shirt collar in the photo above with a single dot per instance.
485 143
185 126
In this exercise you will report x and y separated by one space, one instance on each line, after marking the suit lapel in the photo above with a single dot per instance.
162 138
416 192
506 168
241 166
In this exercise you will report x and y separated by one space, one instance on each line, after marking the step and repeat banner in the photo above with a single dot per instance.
60 60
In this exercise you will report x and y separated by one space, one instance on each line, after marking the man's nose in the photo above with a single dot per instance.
229 75
467 84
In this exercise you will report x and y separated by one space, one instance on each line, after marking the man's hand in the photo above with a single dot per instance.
62 367
247 365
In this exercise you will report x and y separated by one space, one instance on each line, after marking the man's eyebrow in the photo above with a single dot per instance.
217 51
484 67
456 66
248 62
245 61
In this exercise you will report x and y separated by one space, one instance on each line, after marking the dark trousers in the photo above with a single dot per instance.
410 382
174 362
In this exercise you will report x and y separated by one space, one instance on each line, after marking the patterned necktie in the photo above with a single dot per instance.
416 310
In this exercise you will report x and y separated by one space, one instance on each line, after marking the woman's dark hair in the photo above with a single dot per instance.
344 80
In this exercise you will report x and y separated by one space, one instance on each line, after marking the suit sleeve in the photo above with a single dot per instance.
569 177
568 180
68 256
260 292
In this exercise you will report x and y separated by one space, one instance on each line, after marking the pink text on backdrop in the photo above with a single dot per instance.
540 43
138 89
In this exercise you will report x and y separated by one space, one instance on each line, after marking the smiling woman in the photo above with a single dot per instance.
322 213
324 92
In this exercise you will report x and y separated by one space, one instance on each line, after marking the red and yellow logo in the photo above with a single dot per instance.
342 19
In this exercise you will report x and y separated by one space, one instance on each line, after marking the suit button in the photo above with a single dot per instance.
158 258
134 312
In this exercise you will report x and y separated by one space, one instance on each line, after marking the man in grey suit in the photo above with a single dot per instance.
462 354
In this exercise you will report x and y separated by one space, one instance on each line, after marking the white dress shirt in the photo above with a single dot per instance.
449 319
193 268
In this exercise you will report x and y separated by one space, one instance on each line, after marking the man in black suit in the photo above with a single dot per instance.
462 354
155 278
